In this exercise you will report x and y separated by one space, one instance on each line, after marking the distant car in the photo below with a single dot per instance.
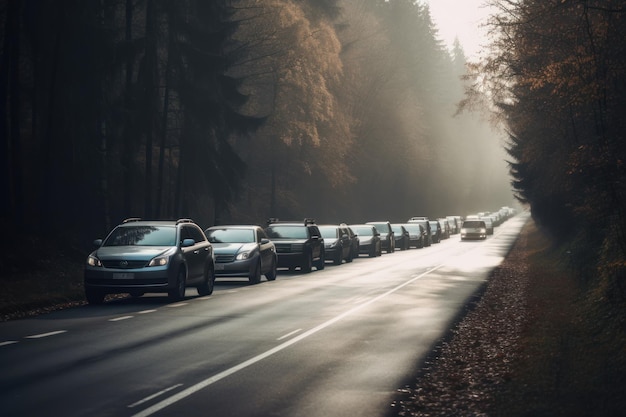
369 239
387 239
473 229
354 241
142 256
298 244
337 243
402 236
455 224
445 228
243 251
417 234
435 231
426 225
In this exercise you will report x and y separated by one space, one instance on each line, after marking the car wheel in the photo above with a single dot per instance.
178 292
208 284
350 257
255 274
373 252
321 263
337 260
308 263
94 297
271 274
380 251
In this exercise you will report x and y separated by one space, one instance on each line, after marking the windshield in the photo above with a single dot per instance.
363 230
473 223
328 232
231 235
287 232
142 236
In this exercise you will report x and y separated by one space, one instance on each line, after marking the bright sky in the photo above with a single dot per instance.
462 19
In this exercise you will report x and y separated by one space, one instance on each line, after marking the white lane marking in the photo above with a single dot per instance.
146 311
121 318
289 334
177 305
39 336
8 342
153 396
217 377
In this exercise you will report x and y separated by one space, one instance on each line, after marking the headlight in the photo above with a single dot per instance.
93 261
483 230
243 255
159 261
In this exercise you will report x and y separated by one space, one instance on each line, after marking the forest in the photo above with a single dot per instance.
234 111
556 77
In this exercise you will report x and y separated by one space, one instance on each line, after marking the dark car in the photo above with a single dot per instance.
243 251
387 239
455 224
426 225
298 244
473 229
402 236
369 239
435 231
417 234
446 231
141 256
354 242
337 243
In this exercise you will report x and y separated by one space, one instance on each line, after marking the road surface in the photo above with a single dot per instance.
337 342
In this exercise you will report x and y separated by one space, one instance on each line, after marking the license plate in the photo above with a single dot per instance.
123 275
219 267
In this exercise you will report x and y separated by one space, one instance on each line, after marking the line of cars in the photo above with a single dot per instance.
140 256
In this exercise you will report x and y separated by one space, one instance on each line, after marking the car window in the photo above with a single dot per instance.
287 232
231 235
191 232
363 230
142 236
328 232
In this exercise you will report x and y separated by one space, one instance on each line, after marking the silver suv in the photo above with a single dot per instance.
141 256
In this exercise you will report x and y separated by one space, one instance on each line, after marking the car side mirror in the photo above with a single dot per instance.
188 242
97 243
265 241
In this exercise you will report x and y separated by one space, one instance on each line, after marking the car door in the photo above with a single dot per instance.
196 254
265 249
317 243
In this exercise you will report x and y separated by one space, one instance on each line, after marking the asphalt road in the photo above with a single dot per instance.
337 342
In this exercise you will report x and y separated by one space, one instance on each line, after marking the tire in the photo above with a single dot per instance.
321 262
373 252
94 297
255 275
271 274
308 263
209 283
337 260
178 293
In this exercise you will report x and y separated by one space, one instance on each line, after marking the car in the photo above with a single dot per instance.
387 239
243 250
337 243
426 225
455 224
473 229
435 231
445 228
417 234
354 241
369 239
402 236
142 256
298 244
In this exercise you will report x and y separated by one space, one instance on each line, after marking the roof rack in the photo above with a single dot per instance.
309 220
184 221
131 219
